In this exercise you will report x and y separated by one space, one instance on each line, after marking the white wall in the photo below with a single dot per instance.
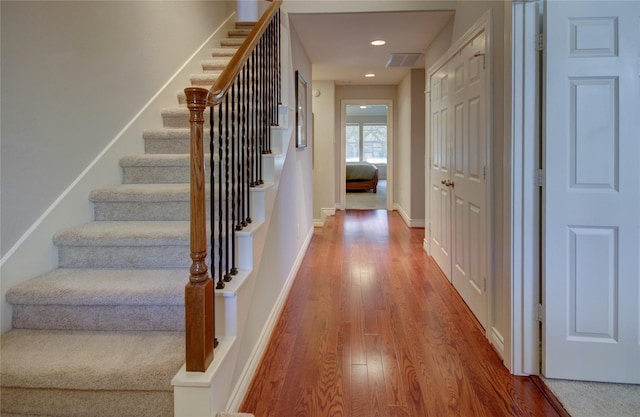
80 82
403 147
324 169
410 145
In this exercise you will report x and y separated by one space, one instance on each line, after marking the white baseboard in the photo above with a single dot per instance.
497 341
417 223
326 212
426 247
240 390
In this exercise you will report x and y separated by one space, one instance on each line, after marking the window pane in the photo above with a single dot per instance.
353 142
374 143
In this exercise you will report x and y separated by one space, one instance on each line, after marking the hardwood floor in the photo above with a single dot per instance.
372 328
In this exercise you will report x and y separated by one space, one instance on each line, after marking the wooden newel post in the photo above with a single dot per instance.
198 294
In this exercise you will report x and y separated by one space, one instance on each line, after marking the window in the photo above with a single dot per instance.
374 143
366 134
353 142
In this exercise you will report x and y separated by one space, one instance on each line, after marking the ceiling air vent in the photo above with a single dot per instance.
403 60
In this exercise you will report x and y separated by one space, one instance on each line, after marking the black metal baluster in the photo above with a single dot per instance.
234 181
266 102
212 213
227 219
254 142
220 284
245 147
274 63
259 104
279 55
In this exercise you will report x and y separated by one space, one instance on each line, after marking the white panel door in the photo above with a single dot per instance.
440 199
468 185
592 191
458 184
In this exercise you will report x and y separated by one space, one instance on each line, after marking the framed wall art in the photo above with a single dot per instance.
301 111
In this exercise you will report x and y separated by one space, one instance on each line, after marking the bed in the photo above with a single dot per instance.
362 176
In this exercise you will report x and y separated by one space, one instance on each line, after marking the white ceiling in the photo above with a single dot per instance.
338 44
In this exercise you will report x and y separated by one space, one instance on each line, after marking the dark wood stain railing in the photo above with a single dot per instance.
245 97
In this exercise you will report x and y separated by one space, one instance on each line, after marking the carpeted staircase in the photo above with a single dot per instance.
103 334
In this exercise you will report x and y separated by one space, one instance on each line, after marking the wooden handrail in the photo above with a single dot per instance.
224 82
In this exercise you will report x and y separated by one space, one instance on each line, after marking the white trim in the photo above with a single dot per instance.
324 213
497 340
343 144
407 220
524 204
483 24
237 395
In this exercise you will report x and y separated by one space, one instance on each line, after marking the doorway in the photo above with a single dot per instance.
366 138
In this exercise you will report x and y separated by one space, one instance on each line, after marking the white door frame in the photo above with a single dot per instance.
484 23
343 146
524 272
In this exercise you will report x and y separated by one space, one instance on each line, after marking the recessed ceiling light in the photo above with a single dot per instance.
363 107
378 42
370 75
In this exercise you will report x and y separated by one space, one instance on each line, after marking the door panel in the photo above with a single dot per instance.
440 195
591 197
469 189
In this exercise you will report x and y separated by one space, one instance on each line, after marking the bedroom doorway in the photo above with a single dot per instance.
366 160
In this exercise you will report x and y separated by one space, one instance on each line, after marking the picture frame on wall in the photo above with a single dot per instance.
301 111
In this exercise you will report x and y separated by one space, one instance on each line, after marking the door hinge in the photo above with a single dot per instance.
540 42
484 284
540 178
540 313
484 172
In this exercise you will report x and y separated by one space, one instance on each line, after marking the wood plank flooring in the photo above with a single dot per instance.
372 328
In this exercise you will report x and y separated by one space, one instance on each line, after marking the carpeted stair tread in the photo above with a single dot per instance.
102 287
164 160
231 42
178 117
226 52
78 360
205 80
245 24
167 141
239 33
159 168
122 233
141 193
216 64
